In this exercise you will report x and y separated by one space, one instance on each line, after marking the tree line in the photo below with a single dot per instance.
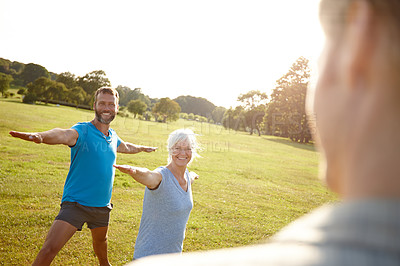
36 83
283 114
280 114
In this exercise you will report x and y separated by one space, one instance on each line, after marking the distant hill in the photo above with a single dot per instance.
195 105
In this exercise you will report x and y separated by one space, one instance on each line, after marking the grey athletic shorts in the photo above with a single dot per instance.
77 214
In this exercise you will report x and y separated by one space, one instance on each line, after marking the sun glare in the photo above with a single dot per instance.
211 49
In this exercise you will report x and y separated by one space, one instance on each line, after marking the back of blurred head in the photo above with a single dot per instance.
335 14
357 97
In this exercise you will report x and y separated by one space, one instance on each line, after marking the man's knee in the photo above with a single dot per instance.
49 251
100 239
99 234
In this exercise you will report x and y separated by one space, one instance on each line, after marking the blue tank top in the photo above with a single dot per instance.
91 173
165 214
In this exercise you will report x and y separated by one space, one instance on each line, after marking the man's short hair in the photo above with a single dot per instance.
107 90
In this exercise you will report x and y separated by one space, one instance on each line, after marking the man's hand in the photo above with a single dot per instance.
53 136
130 148
35 137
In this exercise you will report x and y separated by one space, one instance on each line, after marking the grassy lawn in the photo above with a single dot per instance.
249 186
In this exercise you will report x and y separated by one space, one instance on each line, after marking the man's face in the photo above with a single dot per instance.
105 107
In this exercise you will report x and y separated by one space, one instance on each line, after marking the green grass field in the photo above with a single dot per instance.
249 186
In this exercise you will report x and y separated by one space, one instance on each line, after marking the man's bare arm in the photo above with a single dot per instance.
53 136
126 147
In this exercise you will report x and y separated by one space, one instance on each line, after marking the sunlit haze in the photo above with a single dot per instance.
216 49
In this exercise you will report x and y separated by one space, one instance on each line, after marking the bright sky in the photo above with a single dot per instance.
216 49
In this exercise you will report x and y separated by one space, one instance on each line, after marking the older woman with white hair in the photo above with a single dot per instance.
168 197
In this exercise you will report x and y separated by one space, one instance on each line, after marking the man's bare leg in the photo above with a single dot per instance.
99 236
59 234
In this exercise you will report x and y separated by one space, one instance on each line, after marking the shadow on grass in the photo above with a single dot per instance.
12 100
18 100
38 103
303 146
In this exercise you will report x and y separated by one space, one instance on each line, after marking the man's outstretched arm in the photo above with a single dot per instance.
53 136
126 147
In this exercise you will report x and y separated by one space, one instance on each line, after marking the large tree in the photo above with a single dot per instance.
234 118
254 103
286 114
56 92
5 66
12 68
76 95
93 80
126 95
137 107
167 109
17 67
32 72
252 99
46 89
5 82
37 89
69 79
218 114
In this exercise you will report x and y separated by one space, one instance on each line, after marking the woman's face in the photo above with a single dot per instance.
181 153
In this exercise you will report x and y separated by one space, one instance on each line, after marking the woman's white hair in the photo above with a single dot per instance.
183 134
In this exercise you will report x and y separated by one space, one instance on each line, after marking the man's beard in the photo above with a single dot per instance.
102 120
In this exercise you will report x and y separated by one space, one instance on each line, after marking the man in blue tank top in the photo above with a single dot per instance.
88 186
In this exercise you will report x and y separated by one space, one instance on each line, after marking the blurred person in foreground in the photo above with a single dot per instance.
168 197
88 186
357 106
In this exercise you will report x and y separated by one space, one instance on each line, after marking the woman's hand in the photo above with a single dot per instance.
193 176
127 169
150 179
